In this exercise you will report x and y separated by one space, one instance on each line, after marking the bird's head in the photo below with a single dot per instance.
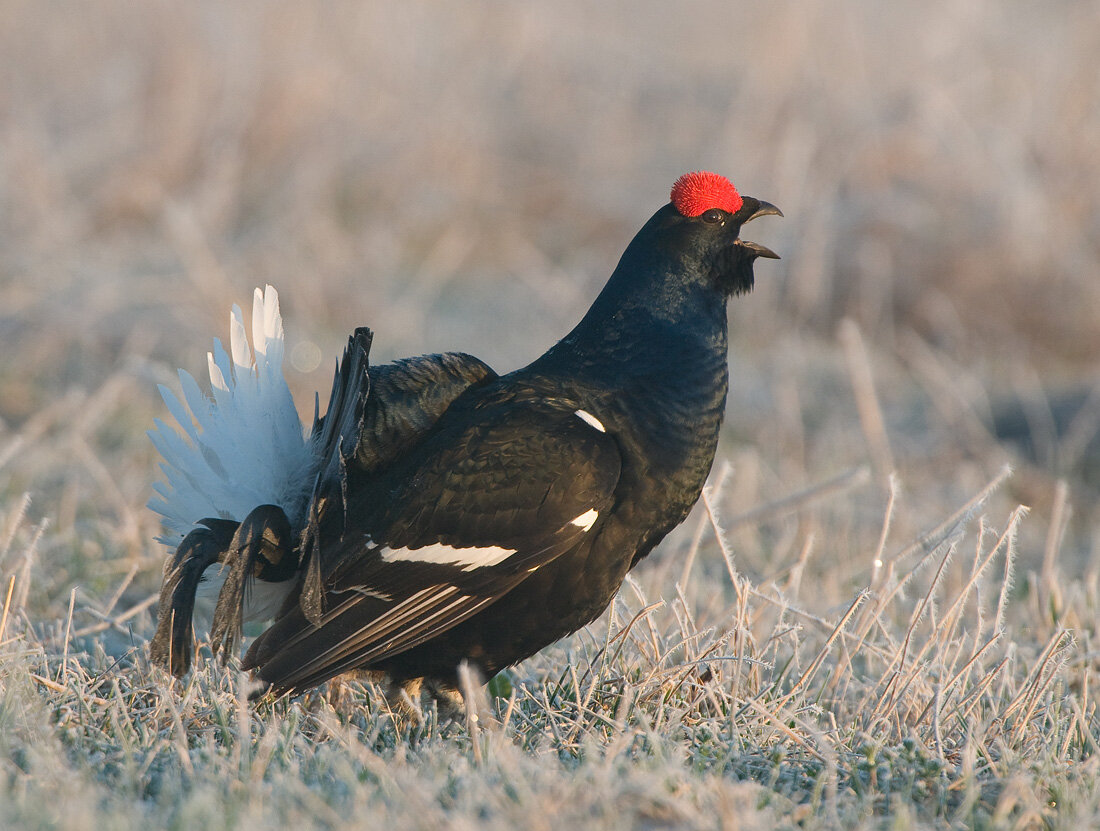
703 222
682 266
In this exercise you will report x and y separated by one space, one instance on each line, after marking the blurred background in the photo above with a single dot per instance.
465 176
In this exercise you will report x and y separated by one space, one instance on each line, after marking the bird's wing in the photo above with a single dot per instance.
407 397
471 513
375 414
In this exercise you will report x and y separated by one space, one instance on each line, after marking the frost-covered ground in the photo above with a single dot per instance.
823 645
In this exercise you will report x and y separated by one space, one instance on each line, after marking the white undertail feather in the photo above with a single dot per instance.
241 448
262 601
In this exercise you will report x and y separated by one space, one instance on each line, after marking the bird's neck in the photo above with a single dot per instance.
655 376
646 329
665 361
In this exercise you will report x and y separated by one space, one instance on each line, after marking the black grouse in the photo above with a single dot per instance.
440 513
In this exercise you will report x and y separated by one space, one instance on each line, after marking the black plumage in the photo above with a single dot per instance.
461 516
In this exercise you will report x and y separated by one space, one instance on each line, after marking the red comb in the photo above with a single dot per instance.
697 192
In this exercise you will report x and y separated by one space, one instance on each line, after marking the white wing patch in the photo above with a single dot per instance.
468 558
587 519
590 420
367 591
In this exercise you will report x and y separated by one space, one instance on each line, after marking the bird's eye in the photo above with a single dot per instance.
714 216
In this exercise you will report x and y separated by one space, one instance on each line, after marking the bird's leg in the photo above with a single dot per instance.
263 548
171 644
403 699
449 701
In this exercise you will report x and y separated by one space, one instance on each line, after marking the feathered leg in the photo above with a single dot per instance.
171 645
263 548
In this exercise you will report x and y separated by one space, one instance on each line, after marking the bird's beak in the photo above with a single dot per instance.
735 268
755 249
764 209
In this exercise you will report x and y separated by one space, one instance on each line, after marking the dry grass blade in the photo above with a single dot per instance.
958 676
901 679
780 724
867 403
931 540
841 483
118 620
826 648
7 608
1005 543
1051 598
1081 722
61 688
880 549
1040 680
14 519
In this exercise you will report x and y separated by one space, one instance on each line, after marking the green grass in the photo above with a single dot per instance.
861 627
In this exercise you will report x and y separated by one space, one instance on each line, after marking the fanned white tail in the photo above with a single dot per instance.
245 446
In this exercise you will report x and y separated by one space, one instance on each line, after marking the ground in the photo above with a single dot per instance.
883 614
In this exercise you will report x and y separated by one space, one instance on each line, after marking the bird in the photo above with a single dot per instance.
441 515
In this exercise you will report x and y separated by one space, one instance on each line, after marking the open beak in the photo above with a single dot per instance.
754 248
735 268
